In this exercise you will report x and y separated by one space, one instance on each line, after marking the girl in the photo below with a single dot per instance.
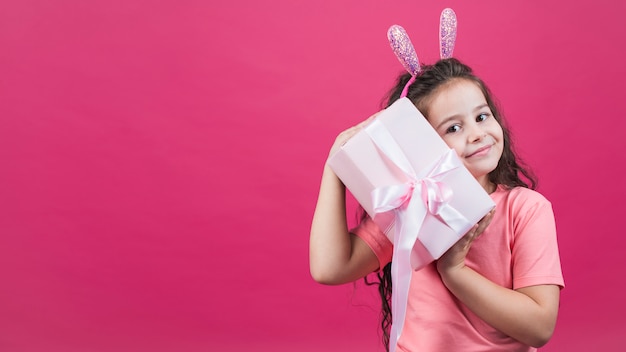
497 288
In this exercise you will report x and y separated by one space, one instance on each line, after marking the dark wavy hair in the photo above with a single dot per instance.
509 173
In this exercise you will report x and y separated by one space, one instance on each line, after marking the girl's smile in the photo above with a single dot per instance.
482 151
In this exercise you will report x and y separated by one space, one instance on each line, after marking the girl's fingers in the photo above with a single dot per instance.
344 136
369 119
484 222
355 129
471 236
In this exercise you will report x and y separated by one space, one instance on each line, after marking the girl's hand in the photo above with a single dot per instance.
454 258
343 137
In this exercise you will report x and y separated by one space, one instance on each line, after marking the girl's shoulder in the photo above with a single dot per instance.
523 206
519 197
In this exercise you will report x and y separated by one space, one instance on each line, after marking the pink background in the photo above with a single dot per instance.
160 162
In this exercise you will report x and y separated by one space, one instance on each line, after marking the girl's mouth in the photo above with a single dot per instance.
482 151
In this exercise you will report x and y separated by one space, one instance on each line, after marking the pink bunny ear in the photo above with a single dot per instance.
447 33
403 48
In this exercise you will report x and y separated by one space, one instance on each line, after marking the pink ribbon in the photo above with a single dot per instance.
411 201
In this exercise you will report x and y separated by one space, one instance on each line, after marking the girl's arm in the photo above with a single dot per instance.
527 314
336 256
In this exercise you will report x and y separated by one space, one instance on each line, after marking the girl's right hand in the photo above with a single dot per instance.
344 136
454 258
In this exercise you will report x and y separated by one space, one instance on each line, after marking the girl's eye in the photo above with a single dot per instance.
453 129
482 117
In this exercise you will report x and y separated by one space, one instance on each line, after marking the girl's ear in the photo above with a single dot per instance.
447 33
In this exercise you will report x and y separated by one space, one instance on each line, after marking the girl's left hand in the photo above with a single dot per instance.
454 258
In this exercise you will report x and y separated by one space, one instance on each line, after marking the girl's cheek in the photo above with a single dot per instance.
453 142
448 143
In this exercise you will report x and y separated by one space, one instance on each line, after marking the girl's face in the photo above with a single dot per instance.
460 114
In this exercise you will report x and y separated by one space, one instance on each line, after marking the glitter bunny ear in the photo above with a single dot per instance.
447 33
403 48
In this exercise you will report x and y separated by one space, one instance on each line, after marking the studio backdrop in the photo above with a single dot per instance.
160 162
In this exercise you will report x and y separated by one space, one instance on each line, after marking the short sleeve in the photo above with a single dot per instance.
369 232
535 252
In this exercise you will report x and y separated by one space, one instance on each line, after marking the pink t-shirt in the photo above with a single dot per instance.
518 249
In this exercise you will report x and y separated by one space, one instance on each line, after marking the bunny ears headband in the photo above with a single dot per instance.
403 48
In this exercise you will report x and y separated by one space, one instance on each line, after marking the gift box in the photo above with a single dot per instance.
416 190
399 154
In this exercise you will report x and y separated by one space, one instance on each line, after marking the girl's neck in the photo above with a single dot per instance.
488 186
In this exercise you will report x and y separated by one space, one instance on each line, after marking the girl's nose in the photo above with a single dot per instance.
476 134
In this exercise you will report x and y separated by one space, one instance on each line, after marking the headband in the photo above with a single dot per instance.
405 52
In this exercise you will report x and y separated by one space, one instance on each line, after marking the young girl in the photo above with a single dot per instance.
496 289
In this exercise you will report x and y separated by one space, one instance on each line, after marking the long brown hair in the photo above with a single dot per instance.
510 172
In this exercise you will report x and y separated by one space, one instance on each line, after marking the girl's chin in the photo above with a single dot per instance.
479 170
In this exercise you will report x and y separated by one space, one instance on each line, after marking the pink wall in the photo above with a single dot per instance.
160 162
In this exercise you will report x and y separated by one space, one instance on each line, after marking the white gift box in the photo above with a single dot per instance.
399 148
